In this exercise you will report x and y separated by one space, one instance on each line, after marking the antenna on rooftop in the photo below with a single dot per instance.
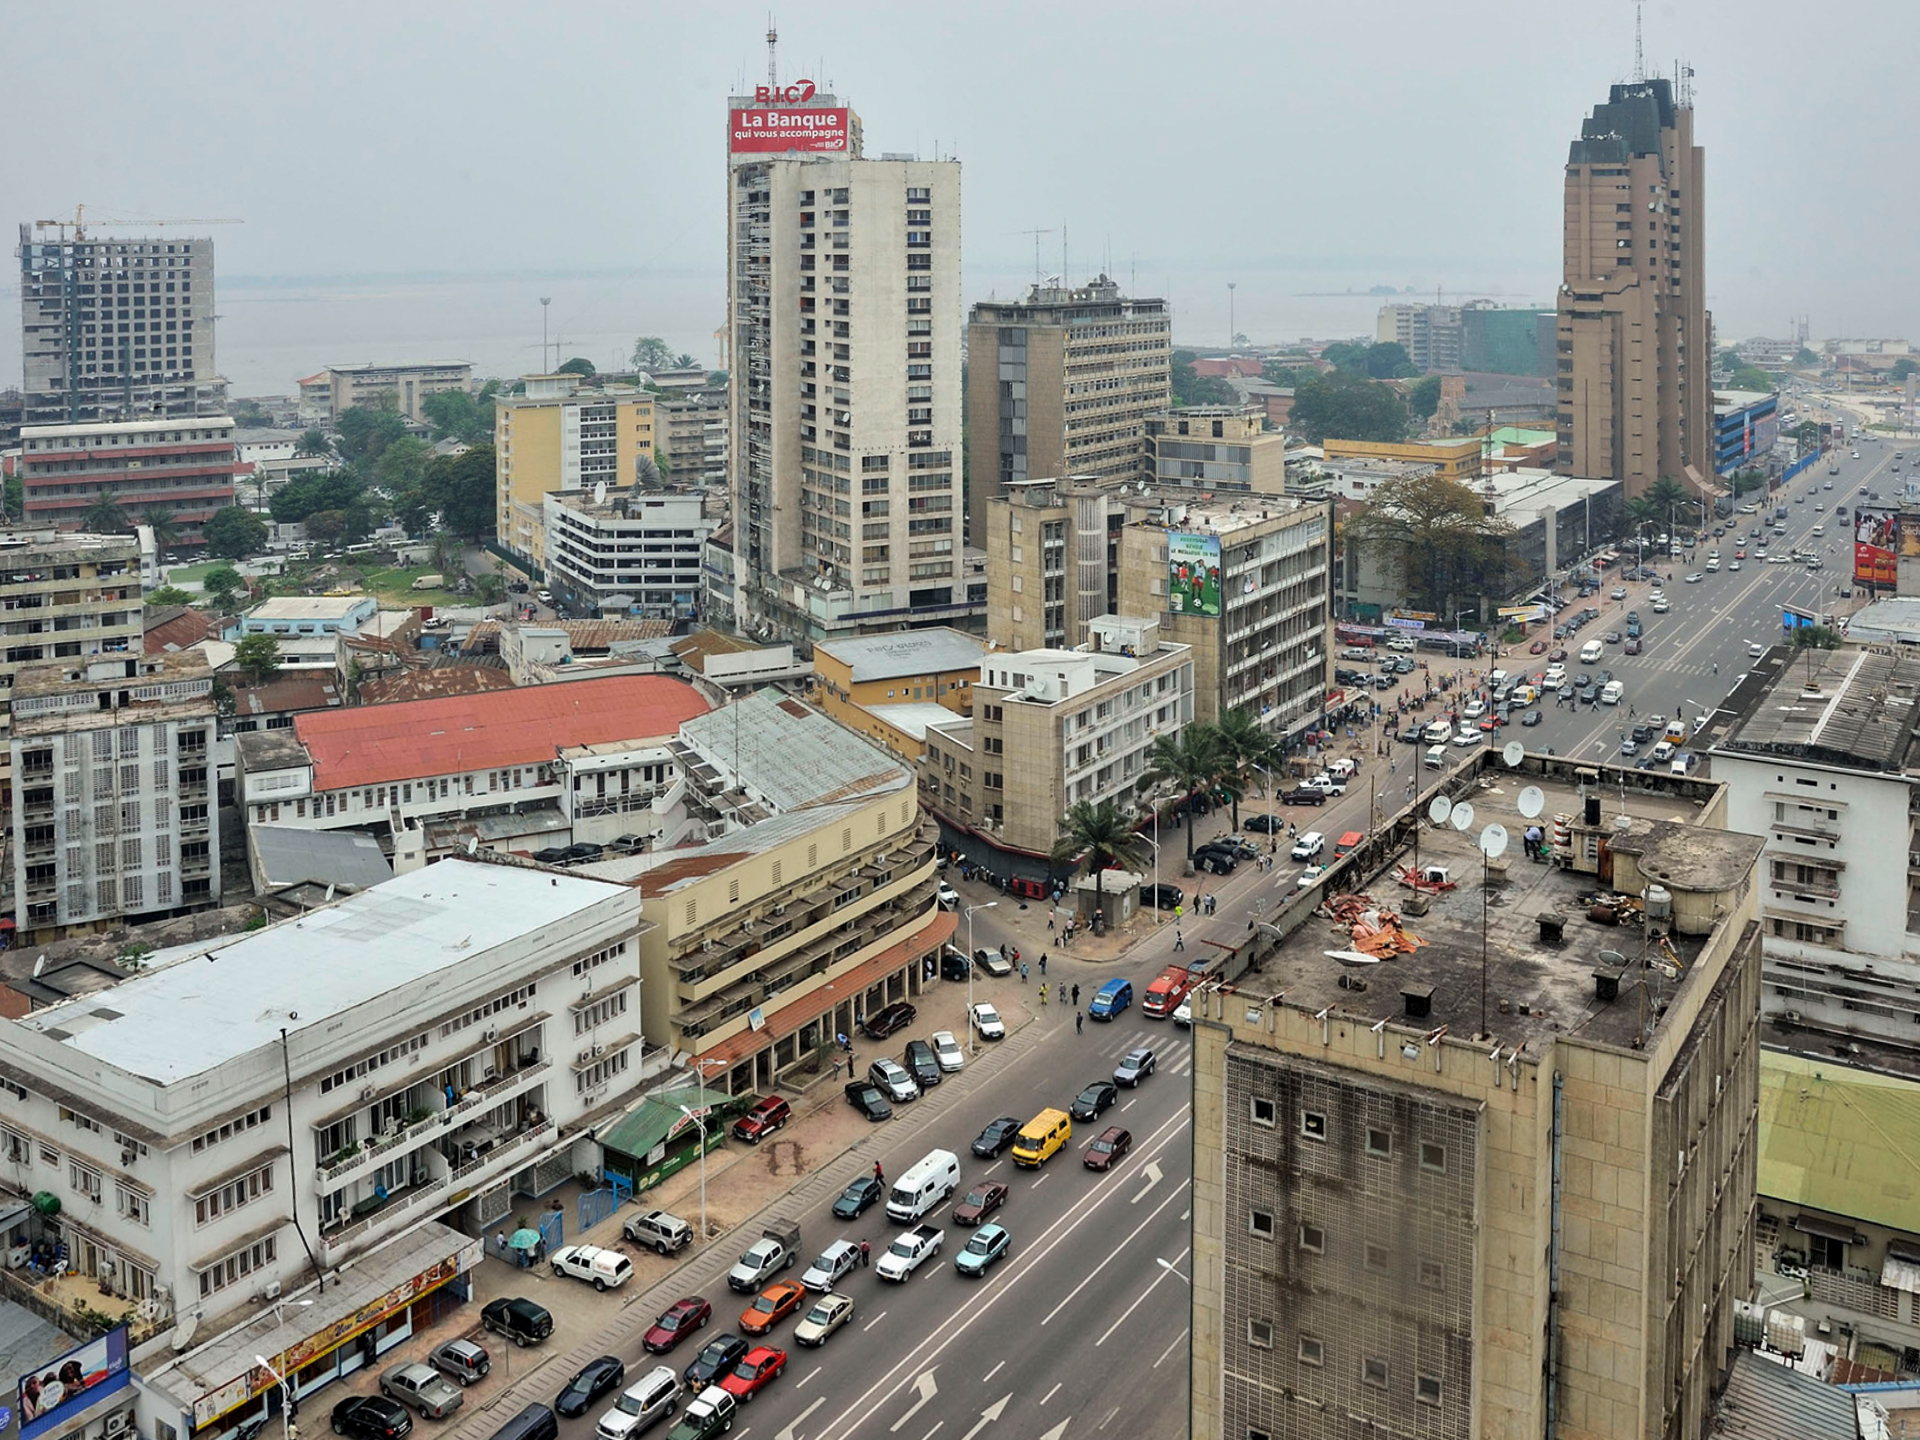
773 68
1639 51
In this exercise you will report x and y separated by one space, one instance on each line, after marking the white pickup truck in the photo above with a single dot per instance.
903 1257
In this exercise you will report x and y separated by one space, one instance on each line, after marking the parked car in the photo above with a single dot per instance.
461 1361
922 1064
1215 860
422 1387
994 963
984 1018
601 1268
676 1322
517 1318
954 965
1266 824
660 1231
892 1079
1162 897
946 1050
371 1417
886 1020
865 1096
1304 795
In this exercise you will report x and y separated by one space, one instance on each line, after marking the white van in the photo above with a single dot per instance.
1555 677
1713 563
1591 652
1611 692
926 1185
1436 757
1438 733
1820 529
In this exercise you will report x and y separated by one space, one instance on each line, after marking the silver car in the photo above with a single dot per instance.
422 1387
1134 1067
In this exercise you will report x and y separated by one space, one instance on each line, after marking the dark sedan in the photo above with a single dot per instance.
596 1378
886 1021
676 1322
719 1356
865 1097
982 1200
996 1137
1113 1142
371 1417
1091 1102
865 1191
1266 824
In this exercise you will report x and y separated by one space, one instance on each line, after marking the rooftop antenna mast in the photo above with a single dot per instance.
773 67
1036 234
1639 51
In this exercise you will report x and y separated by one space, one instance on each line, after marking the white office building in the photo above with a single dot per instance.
629 552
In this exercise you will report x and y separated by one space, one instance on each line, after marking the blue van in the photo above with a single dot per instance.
1110 999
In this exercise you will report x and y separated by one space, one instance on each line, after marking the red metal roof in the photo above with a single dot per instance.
375 744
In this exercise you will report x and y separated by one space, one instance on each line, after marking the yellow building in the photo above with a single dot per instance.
1454 459
561 435
882 685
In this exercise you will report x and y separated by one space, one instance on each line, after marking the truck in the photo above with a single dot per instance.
776 1249
429 582
1166 992
904 1255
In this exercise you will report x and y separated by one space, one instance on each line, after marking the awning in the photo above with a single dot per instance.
1828 1230
1899 1273
655 1118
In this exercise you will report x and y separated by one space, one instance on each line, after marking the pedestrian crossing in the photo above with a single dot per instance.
1172 1045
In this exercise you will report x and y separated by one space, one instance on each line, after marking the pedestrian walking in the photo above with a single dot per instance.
1077 1018
1043 994
866 1253
1179 942
1043 962
500 1242
1023 974
1076 994
1049 924
878 1173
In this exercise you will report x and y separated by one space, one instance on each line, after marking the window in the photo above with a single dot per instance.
599 1013
1261 1112
1433 1274
1433 1157
1313 1239
233 1195
1376 1257
1380 1142
232 1128
1313 1125
1260 1334
1373 1371
133 1206
84 1179
1312 1352
1426 1389
600 1072
1260 1222
236 1267
599 958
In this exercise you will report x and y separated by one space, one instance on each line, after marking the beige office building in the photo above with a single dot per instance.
1051 728
562 435
1635 393
1216 447
1062 383
843 286
1053 559
339 388
1488 1198
1259 631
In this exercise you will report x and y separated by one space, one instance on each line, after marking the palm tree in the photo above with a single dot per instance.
159 519
105 516
1101 835
1245 745
312 442
1189 758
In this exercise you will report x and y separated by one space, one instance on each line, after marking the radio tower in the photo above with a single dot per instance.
1639 53
773 68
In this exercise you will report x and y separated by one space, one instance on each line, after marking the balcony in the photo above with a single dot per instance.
409 1201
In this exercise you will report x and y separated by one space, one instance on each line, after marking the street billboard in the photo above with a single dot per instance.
1877 542
1193 573
776 130
49 1393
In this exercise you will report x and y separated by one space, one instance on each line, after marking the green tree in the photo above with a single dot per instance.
366 430
1286 376
1098 835
664 466
1435 536
166 595
1388 360
1347 355
650 352
1727 360
105 516
460 489
234 533
490 589
159 518
402 465
579 365
1752 377
248 415
1343 406
1902 368
1807 432
1804 357
1813 637
16 497
223 586
329 490
1190 388
258 656
1245 747
312 443
326 527
456 415
1188 759
1423 396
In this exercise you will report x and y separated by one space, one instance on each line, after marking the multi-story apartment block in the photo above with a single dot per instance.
691 433
338 388
1051 728
1062 383
798 896
562 435
1431 335
65 597
1245 583
1053 558
1634 386
843 288
891 687
436 1047
113 802
116 329
1215 447
182 467
1503 1186
508 769
637 552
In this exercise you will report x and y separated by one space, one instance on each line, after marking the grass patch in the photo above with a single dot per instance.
394 584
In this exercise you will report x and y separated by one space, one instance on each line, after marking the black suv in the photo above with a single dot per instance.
921 1064
1216 859
1162 897
520 1320
884 1022
371 1417
1304 795
954 965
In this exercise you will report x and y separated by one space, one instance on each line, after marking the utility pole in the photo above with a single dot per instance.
545 301
1231 330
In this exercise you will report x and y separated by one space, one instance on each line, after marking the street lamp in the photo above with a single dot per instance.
1156 867
286 1396
700 1120
973 1030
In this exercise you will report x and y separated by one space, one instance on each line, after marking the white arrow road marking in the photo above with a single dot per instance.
792 1431
1153 1178
923 1382
991 1413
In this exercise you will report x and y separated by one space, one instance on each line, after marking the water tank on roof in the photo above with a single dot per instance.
1659 902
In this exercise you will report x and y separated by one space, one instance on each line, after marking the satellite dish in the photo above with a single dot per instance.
473 843
1532 801
39 965
1493 841
1513 752
1462 816
1439 809
1352 957
182 1335
599 492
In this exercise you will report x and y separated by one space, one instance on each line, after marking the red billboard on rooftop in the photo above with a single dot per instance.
778 128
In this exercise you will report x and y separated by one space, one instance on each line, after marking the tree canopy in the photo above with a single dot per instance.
1192 389
1435 536
1423 396
366 430
1903 367
233 533
1803 357
402 464
1382 360
650 352
579 365
458 415
258 656
1099 834
332 490
1752 377
1344 406
105 516
460 490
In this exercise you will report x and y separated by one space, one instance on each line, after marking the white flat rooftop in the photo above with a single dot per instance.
232 997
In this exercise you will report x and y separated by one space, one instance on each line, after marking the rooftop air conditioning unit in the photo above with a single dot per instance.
366 1092
490 1034
780 909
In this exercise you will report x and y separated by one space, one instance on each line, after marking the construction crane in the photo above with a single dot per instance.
79 222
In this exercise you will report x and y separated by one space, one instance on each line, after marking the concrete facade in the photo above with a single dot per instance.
345 386
184 467
637 552
1633 382
1215 447
1053 559
116 329
562 437
858 678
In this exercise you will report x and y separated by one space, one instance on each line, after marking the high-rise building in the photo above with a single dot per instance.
1053 559
1062 383
1501 1185
843 291
1430 334
561 435
1633 359
116 329
633 552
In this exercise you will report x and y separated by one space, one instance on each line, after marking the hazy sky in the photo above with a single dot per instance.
1274 145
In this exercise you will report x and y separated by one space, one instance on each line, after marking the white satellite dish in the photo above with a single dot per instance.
1513 752
1493 841
599 492
182 1335
38 966
1439 809
1352 957
1532 801
1462 816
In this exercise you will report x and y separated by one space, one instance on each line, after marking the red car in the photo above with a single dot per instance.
1538 647
762 1120
676 1322
755 1372
982 1200
1113 1142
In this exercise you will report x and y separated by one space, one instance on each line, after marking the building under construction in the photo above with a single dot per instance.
116 329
